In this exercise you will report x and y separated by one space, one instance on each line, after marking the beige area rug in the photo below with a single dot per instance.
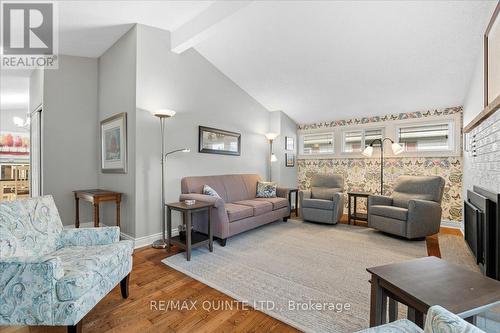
295 266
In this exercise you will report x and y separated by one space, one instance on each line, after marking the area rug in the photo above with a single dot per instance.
310 276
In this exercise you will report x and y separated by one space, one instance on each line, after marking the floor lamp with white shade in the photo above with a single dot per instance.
163 115
368 152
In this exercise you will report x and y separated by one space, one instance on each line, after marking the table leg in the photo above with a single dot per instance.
416 316
188 235
378 304
355 213
77 217
393 310
349 209
118 213
210 231
96 215
169 228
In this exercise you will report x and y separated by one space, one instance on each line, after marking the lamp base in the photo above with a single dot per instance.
159 244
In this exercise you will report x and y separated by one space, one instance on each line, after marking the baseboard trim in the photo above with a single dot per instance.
138 242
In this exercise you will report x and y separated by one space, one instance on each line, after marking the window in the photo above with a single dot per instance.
430 137
320 143
356 141
353 141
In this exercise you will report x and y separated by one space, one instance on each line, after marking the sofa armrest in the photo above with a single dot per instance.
217 202
282 192
89 236
27 289
424 218
441 320
379 200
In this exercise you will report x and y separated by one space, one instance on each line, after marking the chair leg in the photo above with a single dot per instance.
76 328
124 286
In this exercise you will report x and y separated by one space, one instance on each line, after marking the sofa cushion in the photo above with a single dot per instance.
317 203
397 213
401 199
324 193
259 207
237 212
277 202
85 266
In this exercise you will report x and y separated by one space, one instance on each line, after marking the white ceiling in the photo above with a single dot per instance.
89 28
327 60
315 60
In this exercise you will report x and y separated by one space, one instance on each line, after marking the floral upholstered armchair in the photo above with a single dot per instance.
439 320
55 276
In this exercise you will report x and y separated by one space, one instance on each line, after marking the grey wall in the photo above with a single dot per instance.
117 93
201 95
70 132
281 123
36 89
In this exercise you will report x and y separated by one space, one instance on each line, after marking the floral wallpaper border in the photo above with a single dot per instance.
389 117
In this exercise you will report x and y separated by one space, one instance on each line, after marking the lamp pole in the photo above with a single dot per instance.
381 141
270 160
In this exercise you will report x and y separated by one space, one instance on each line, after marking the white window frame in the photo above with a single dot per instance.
452 139
390 129
301 143
363 137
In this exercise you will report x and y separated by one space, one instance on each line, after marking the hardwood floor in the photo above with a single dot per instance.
152 281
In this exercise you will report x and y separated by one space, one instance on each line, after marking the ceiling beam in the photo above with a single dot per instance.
194 31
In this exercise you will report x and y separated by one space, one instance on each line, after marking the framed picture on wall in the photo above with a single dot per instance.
114 144
289 143
217 141
289 159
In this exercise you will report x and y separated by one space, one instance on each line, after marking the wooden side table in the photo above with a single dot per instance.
354 214
296 208
193 238
95 197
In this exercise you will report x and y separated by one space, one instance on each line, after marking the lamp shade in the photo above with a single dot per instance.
166 113
368 152
397 148
273 157
271 136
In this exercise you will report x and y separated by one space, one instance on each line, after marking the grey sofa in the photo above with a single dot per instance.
324 202
413 210
238 210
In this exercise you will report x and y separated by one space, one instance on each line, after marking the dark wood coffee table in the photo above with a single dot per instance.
424 282
193 238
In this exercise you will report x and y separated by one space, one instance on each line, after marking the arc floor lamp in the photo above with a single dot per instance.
368 152
163 115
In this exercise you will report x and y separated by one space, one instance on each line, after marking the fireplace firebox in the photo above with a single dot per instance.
482 230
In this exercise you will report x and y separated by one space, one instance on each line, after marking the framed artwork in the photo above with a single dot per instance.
289 159
492 59
14 145
114 144
217 141
289 143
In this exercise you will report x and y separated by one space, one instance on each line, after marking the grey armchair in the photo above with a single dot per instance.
325 201
413 211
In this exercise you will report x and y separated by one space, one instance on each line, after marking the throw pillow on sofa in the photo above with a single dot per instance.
266 190
210 191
